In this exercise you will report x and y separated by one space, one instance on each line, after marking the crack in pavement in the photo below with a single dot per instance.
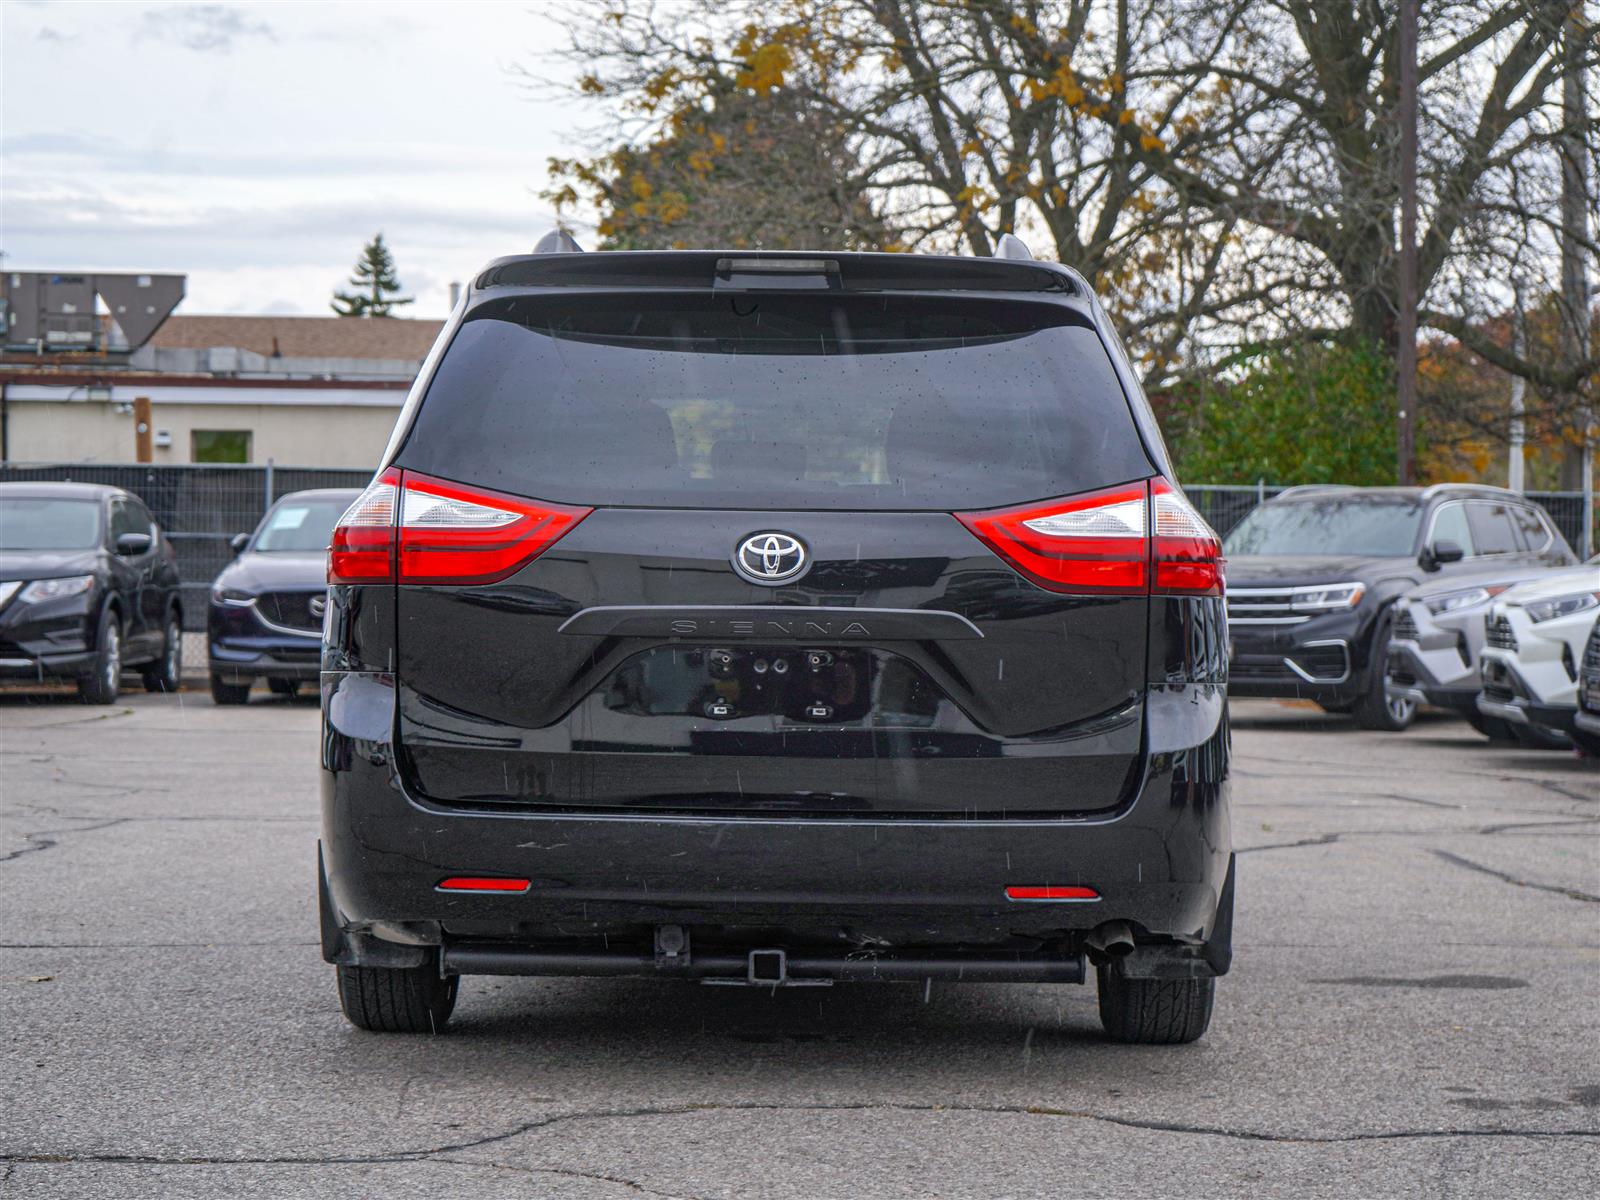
42 839
1570 893
673 1110
571 1173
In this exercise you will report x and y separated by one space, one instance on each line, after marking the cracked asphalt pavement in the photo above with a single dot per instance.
1414 1007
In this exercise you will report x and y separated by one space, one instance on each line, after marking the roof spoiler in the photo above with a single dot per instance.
557 241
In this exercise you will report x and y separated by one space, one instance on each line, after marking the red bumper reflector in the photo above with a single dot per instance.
473 883
1051 893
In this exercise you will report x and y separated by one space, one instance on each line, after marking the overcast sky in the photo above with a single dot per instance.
255 147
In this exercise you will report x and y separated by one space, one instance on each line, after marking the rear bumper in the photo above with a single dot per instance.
14 665
241 660
821 889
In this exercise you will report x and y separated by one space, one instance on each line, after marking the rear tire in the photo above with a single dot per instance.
223 692
1373 708
166 673
397 999
105 679
1154 1012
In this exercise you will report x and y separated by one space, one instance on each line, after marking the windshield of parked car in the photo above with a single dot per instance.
44 523
300 526
1336 525
777 401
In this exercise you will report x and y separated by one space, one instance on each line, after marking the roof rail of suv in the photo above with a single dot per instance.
1304 489
1435 489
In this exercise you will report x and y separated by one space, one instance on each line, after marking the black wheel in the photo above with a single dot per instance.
104 681
166 673
1375 708
1154 1012
283 687
223 692
1492 728
397 999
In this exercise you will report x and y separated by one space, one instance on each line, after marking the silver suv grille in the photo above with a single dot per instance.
1589 674
1405 626
1497 633
1263 606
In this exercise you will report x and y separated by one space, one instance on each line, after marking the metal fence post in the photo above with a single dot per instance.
266 501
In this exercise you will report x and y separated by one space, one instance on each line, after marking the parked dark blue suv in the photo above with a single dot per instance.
265 620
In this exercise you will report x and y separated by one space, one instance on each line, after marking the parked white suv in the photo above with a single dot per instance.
1534 637
1437 638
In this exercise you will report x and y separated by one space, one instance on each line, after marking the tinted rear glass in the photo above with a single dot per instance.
777 401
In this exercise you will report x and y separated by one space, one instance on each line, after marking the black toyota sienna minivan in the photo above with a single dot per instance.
777 620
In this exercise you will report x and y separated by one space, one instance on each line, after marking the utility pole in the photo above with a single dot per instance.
1405 361
1519 388
1574 264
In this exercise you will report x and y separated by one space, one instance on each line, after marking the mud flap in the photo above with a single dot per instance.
1206 961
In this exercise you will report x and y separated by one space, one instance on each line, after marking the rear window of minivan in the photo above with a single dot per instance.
776 401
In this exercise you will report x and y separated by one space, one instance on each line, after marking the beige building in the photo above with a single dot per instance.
298 391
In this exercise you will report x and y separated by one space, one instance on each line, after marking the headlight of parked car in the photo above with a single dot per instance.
55 589
1469 598
1335 595
233 596
1561 606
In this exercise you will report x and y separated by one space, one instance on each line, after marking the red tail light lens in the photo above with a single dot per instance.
363 540
1102 543
1095 543
410 528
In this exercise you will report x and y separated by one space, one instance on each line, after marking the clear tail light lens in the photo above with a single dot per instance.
363 539
1188 554
1130 540
410 528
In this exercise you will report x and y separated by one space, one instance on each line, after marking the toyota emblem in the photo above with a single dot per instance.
771 557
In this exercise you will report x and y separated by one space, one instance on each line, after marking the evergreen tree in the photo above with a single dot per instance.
375 285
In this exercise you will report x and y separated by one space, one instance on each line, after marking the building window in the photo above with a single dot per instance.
219 446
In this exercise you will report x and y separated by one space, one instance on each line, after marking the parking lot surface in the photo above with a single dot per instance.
1412 1009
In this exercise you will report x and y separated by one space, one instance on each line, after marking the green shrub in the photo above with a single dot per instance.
1315 413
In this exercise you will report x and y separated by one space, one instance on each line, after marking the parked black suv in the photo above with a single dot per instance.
776 620
265 620
88 586
1314 572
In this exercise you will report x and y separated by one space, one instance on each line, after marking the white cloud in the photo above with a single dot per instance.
260 171
204 28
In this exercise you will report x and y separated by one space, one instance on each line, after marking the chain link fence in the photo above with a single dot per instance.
202 507
199 507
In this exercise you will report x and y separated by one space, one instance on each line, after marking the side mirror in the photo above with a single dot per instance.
239 541
1441 552
131 545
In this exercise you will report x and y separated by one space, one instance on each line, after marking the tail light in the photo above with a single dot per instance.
1130 540
410 528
